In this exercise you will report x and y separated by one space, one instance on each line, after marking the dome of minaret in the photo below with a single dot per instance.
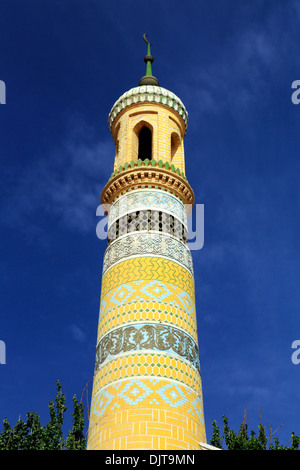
148 90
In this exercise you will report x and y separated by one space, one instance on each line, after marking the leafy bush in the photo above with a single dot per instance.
242 440
31 435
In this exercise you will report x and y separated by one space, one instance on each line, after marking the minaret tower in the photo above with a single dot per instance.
147 391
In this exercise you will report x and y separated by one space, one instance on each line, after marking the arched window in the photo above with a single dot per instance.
145 143
175 144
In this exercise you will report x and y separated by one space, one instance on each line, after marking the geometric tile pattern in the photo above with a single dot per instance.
139 390
146 414
147 351
147 364
140 292
147 199
147 221
147 311
148 268
147 348
144 290
147 391
149 243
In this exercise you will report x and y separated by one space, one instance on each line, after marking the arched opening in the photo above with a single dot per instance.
145 143
175 144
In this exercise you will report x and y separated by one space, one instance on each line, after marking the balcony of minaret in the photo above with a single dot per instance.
147 174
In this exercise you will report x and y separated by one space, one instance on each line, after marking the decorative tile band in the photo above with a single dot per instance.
155 291
147 393
146 199
147 337
148 93
158 270
147 311
146 413
148 244
147 221
147 364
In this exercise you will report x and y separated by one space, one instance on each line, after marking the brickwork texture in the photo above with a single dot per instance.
147 390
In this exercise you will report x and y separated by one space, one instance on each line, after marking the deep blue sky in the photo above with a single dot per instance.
232 63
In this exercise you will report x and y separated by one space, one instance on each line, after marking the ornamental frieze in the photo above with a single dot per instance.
153 337
142 199
140 177
147 221
148 244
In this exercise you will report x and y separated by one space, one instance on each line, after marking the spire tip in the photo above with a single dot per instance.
148 79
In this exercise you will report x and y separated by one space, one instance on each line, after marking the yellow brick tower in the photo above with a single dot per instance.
147 391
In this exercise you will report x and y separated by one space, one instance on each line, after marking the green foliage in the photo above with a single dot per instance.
53 439
242 440
31 435
216 438
76 439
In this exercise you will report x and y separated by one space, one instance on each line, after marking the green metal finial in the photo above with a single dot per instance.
146 41
148 79
148 59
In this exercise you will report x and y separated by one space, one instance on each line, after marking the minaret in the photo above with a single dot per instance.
147 391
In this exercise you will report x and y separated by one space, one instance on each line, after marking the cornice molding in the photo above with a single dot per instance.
145 176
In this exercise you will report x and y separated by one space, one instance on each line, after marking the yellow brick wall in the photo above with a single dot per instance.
147 399
147 364
147 389
119 315
146 427
162 119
